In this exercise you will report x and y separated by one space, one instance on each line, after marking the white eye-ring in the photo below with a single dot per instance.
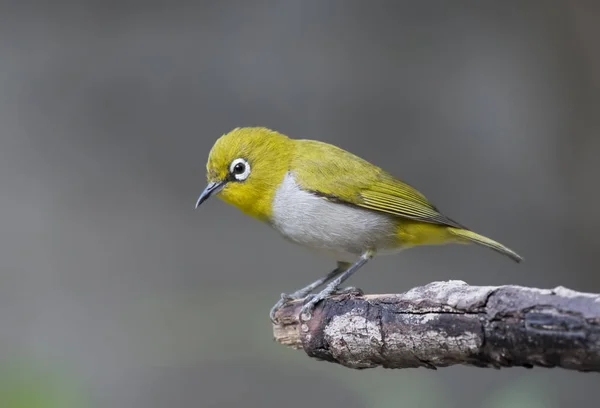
240 169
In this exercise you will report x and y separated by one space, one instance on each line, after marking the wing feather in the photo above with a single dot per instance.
340 176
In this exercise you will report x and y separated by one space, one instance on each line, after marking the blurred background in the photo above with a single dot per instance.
115 293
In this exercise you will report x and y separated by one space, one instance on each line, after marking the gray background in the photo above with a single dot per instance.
115 293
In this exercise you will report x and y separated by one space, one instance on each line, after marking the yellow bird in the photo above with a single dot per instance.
327 199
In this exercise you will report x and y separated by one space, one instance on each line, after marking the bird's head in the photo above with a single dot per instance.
245 167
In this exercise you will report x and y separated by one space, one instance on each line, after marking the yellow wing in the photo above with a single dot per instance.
338 175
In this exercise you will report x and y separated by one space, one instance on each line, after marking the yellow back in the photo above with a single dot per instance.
339 175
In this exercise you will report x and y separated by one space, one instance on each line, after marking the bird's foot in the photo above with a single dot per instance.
309 305
311 300
285 299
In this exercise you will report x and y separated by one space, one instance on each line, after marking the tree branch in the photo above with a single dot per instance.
448 323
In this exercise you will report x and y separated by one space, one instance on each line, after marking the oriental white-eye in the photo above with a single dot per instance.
327 199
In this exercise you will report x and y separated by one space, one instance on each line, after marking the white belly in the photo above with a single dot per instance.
341 231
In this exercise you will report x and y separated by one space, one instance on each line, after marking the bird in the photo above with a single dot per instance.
324 198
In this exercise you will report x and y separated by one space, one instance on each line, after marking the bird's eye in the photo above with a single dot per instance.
240 169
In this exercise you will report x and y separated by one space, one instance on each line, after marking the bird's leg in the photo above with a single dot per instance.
306 311
300 293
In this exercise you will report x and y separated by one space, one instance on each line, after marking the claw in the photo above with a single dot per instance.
285 298
280 303
309 306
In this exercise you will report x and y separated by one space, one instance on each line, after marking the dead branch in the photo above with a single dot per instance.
448 323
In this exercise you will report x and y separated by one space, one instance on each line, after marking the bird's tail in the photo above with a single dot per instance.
470 236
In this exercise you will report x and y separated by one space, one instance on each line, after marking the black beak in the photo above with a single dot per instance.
212 188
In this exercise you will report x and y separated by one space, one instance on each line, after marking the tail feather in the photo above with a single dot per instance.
471 236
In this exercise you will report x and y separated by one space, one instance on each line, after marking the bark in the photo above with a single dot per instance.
447 323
